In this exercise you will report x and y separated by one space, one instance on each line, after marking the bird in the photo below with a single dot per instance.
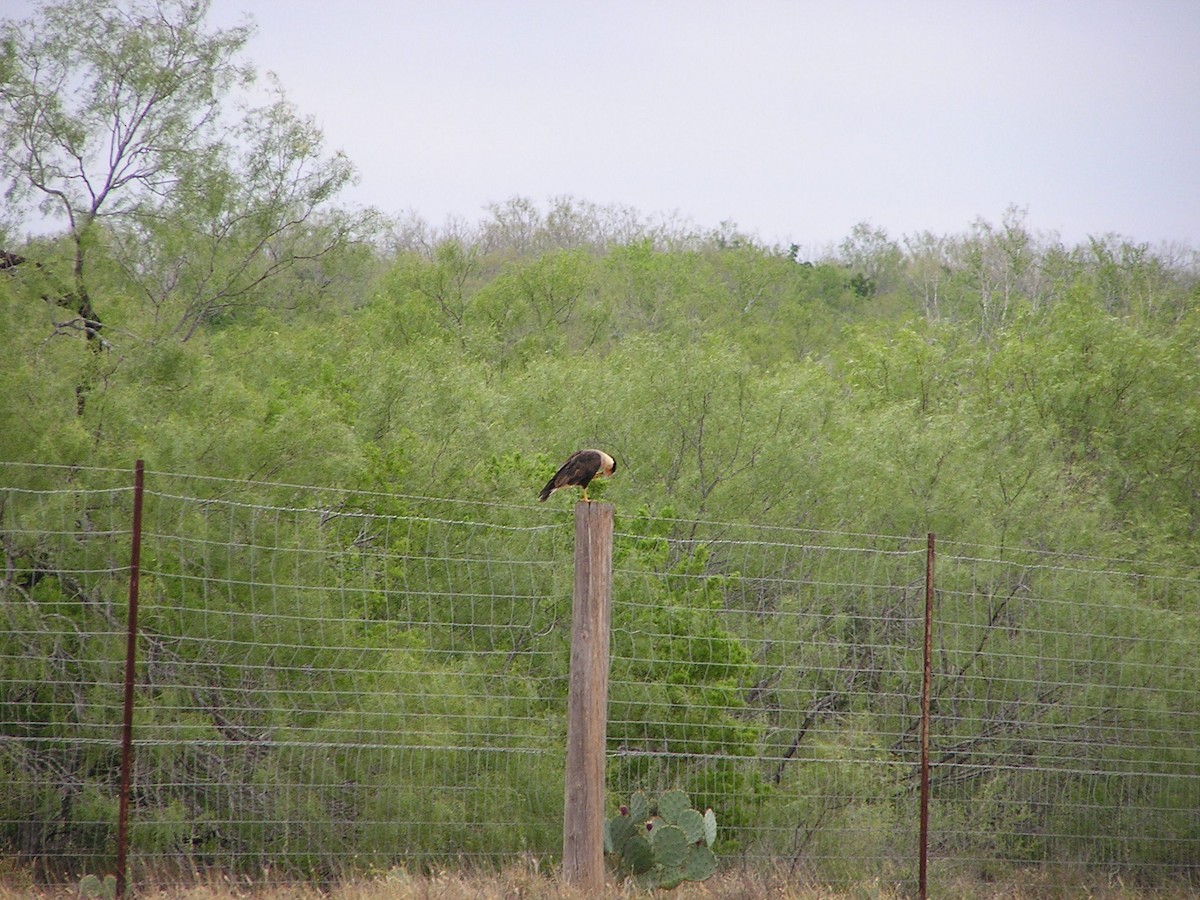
578 471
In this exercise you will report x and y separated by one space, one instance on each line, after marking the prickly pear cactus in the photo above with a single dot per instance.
91 886
662 844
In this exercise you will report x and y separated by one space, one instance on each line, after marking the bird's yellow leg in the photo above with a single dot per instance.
585 496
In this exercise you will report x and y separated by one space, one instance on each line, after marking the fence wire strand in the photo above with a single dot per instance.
333 682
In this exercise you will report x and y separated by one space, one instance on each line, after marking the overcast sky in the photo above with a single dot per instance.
794 120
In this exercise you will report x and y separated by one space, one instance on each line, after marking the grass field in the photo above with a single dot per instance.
529 882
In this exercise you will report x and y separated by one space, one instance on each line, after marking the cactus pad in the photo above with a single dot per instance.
692 824
638 855
700 864
617 832
671 878
670 846
672 805
639 807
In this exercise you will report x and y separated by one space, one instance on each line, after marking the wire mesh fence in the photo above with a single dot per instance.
335 682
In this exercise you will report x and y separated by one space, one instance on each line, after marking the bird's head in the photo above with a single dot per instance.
608 465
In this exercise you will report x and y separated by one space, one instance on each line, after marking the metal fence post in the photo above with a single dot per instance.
923 875
135 562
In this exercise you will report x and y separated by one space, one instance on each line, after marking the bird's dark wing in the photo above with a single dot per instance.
579 470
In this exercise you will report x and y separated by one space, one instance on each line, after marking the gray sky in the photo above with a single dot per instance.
795 120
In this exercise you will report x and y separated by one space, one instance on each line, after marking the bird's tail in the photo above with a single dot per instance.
546 491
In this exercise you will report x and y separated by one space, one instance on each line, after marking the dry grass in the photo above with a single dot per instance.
508 885
529 882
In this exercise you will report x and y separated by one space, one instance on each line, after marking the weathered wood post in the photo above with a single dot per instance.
587 698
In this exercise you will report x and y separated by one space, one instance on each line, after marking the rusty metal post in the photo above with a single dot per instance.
923 876
135 562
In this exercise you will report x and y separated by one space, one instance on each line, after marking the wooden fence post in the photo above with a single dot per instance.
587 698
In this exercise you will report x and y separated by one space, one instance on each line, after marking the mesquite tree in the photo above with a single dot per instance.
117 121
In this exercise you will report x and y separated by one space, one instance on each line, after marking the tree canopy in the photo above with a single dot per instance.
117 125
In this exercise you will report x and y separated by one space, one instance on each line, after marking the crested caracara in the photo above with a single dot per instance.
579 470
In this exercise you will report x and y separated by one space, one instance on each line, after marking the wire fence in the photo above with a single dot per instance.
333 682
